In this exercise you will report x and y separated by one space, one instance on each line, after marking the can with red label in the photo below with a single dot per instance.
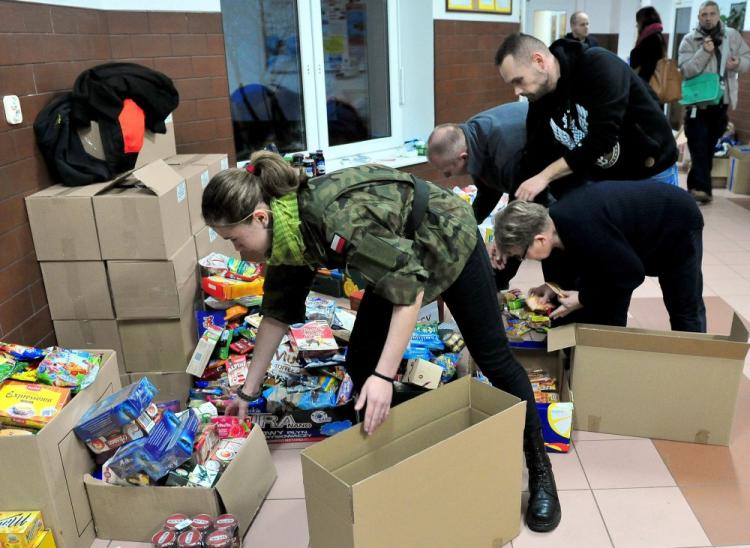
202 523
164 539
177 522
228 523
190 539
219 539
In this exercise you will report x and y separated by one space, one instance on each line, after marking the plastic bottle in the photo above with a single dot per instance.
320 162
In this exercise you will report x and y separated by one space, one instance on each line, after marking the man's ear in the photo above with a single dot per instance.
538 60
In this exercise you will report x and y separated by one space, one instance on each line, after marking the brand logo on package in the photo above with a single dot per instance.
266 421
181 192
204 179
320 417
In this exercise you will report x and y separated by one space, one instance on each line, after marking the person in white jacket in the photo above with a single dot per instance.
711 48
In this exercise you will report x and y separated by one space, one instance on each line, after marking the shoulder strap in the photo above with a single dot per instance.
418 207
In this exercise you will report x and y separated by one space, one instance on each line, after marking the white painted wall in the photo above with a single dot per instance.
138 5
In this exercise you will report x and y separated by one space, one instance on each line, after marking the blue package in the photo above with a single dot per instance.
115 411
207 318
415 352
169 445
316 399
427 336
333 428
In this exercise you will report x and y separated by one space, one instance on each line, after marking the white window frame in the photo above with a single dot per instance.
313 84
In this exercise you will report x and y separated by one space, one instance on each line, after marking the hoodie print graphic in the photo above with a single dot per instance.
573 131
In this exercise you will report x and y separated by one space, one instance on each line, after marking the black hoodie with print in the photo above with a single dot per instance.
602 118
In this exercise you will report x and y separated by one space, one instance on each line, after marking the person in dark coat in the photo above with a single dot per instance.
650 45
600 242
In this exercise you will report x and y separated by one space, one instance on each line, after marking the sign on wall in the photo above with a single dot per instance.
480 6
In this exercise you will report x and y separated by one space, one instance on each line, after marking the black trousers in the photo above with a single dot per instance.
702 132
472 300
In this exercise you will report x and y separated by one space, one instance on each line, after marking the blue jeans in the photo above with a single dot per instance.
668 176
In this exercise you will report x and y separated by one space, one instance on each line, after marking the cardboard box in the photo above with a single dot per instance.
62 223
214 162
423 373
171 386
154 289
720 172
90 335
156 146
208 241
196 179
655 384
352 480
143 215
739 169
163 345
47 469
305 426
135 513
77 290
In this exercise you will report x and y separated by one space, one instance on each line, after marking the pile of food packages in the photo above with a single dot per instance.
525 317
35 384
201 531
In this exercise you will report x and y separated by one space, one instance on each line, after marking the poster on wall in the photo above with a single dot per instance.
480 6
736 18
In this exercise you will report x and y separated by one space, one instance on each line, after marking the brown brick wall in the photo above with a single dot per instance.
741 116
42 50
466 79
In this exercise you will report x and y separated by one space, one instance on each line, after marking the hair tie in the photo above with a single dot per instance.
250 168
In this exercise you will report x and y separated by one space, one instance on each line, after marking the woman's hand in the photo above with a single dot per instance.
376 394
568 303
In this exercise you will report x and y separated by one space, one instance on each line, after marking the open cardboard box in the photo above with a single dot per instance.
136 513
657 384
409 484
45 472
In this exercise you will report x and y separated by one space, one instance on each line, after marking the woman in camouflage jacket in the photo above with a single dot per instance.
410 252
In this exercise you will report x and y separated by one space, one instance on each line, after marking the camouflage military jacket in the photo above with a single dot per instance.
355 218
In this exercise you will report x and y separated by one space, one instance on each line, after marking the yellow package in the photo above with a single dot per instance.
19 529
30 405
44 539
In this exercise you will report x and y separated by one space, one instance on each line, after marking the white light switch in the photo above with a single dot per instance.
12 109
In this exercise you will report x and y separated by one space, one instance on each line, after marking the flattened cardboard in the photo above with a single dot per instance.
144 215
208 241
90 335
135 513
351 480
77 290
47 469
154 289
163 345
657 384
62 223
196 179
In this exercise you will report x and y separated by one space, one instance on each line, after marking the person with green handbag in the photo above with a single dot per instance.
710 58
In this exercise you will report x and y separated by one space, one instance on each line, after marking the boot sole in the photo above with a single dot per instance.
544 527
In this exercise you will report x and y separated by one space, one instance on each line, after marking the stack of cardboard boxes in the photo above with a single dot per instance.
119 261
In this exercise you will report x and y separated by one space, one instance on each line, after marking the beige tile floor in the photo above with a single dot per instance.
615 491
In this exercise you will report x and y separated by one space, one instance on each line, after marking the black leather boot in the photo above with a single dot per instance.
543 513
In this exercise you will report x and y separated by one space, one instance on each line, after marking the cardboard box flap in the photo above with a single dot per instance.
351 444
738 331
333 493
481 445
158 177
489 400
646 340
62 191
251 467
182 159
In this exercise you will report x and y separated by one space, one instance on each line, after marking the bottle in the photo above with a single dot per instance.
320 162
309 165
298 159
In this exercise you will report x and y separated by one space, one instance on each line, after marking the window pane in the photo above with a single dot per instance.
355 45
265 80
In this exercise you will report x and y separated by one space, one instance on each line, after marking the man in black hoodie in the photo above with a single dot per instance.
590 117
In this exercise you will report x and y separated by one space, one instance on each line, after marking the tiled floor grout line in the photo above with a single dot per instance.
593 496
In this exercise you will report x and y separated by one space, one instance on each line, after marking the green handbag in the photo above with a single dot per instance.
704 89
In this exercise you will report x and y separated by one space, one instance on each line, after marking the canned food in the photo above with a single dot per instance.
219 539
202 523
228 523
177 522
190 539
164 539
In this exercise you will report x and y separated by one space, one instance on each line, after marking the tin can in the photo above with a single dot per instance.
177 522
219 539
164 539
190 539
228 523
202 523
